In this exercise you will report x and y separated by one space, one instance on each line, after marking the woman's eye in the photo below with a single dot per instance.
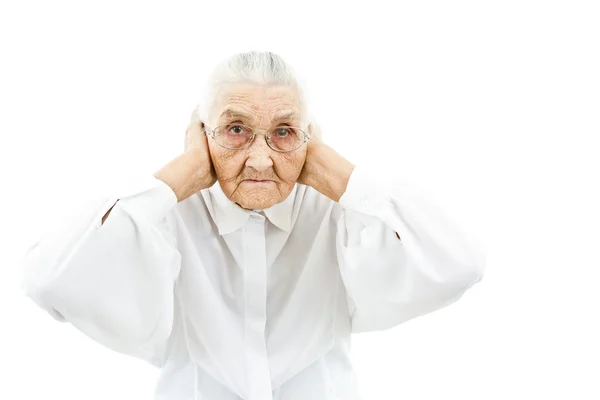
236 130
282 132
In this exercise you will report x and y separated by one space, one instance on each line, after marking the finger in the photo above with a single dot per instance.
196 127
195 114
195 117
314 130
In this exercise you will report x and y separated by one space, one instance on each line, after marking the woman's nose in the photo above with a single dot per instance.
259 154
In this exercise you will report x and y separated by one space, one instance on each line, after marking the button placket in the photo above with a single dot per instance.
257 363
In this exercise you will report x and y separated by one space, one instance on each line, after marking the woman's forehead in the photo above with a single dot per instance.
234 113
257 94
252 101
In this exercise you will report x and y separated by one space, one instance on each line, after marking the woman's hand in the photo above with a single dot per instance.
324 169
193 170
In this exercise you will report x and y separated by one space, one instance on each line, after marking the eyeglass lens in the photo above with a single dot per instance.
283 138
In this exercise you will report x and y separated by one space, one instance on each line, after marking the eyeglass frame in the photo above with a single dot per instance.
212 134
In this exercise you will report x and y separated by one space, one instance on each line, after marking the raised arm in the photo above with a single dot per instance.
111 270
113 281
401 254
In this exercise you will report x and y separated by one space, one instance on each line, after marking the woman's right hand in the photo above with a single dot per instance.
193 170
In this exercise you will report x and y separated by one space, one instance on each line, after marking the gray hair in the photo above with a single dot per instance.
260 67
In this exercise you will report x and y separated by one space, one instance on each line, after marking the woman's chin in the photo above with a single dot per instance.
258 200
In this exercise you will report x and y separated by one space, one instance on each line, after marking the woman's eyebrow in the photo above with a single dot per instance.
287 115
234 114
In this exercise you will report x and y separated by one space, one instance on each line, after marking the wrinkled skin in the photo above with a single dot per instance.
239 170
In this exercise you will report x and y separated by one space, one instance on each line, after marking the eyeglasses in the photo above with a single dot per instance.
236 137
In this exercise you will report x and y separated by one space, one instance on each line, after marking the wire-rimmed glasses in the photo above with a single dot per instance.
283 138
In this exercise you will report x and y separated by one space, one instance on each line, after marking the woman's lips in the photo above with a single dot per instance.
256 181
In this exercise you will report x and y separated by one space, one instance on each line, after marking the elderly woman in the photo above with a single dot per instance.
242 267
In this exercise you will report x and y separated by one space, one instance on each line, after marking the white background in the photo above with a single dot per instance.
493 105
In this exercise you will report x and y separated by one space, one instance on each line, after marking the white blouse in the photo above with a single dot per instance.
235 304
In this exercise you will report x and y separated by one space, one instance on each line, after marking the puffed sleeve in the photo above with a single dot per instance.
401 255
112 281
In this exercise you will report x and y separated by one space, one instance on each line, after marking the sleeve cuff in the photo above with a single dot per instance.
145 197
366 191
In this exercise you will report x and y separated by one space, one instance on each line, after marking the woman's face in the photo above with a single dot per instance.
257 177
